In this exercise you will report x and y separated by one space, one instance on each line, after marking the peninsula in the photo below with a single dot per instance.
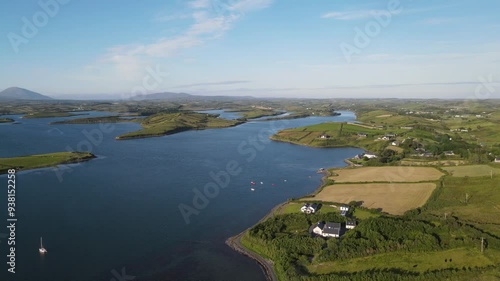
43 160
383 218
162 124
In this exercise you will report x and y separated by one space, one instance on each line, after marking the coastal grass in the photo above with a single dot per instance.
96 120
257 113
42 160
392 198
472 171
6 120
415 262
169 123
386 174
290 208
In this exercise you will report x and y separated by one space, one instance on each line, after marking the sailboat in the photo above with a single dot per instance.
42 250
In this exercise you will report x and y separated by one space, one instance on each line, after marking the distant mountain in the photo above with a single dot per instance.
180 97
15 93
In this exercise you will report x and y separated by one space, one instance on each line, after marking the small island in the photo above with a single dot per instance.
162 124
97 120
44 114
43 160
6 120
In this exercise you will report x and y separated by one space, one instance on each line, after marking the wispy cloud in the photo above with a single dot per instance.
352 15
232 82
211 19
170 17
364 14
436 21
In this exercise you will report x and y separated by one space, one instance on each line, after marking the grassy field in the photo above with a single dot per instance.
421 162
417 262
472 171
363 214
395 198
95 120
42 160
483 203
169 123
257 113
386 174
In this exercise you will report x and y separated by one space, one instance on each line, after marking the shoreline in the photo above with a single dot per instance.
267 265
70 161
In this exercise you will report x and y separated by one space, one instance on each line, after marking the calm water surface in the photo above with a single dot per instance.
121 210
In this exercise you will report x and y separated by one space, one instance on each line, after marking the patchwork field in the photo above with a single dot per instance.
472 171
393 198
415 262
387 174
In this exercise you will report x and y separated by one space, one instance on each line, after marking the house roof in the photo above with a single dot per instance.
350 223
332 228
319 224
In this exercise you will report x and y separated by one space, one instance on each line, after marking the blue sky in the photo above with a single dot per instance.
263 48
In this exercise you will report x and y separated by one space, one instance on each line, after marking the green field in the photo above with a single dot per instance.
472 171
43 160
419 262
364 214
483 203
95 120
257 113
169 123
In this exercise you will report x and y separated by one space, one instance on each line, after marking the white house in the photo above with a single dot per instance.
324 137
449 153
497 160
309 208
317 229
343 210
350 224
370 156
331 229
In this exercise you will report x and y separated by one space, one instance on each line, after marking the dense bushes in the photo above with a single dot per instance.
285 239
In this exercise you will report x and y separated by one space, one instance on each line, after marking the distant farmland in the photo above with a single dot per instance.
387 174
393 198
472 171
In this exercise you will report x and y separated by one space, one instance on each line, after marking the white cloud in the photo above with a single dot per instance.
436 21
352 15
200 4
211 19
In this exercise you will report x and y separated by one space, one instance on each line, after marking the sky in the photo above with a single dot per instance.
261 48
